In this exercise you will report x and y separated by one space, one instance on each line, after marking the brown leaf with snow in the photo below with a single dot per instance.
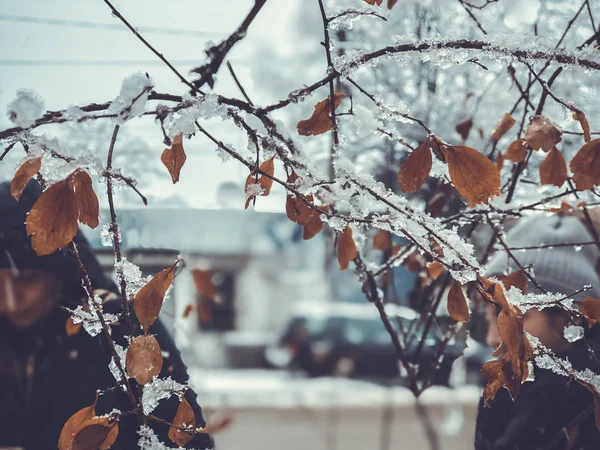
590 308
320 122
184 418
415 169
85 198
174 158
96 433
268 167
457 304
553 169
517 151
24 173
144 358
542 133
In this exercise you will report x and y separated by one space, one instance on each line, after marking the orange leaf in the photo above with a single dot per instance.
492 370
53 219
73 425
542 134
590 308
174 158
72 328
585 166
464 128
585 126
475 177
85 198
415 169
184 418
414 261
346 248
505 124
217 425
518 279
187 311
372 2
553 169
382 241
204 283
517 151
96 433
500 161
144 358
313 226
23 174
320 122
435 268
457 304
391 3
268 167
564 208
149 299
510 327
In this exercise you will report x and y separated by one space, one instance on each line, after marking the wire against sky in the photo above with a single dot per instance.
102 62
107 26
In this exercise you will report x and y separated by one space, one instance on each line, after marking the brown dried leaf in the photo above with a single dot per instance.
457 304
373 2
517 151
204 284
518 279
73 425
218 425
564 208
183 418
23 174
268 167
492 370
313 226
464 128
53 219
542 133
96 433
414 261
415 169
500 161
553 169
585 126
174 158
187 311
382 241
72 328
85 198
149 299
320 122
435 269
144 358
475 177
585 166
391 3
505 124
510 327
590 308
346 248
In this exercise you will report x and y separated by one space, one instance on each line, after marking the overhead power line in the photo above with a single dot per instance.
107 26
101 62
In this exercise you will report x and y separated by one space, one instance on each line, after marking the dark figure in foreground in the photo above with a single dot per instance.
550 412
46 375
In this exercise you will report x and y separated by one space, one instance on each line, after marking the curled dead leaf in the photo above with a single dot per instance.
73 425
500 161
268 167
313 226
52 221
346 248
320 122
457 304
149 299
585 126
464 128
542 133
517 151
585 166
590 308
553 169
174 158
518 279
415 169
24 173
475 177
204 284
505 124
144 358
85 198
184 418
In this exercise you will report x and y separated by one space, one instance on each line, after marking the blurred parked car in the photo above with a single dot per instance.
349 339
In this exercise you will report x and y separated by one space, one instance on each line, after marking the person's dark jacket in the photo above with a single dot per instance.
549 413
46 376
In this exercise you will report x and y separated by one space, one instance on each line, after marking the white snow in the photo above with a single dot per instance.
132 97
573 333
26 108
157 390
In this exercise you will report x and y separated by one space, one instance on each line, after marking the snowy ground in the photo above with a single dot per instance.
273 409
